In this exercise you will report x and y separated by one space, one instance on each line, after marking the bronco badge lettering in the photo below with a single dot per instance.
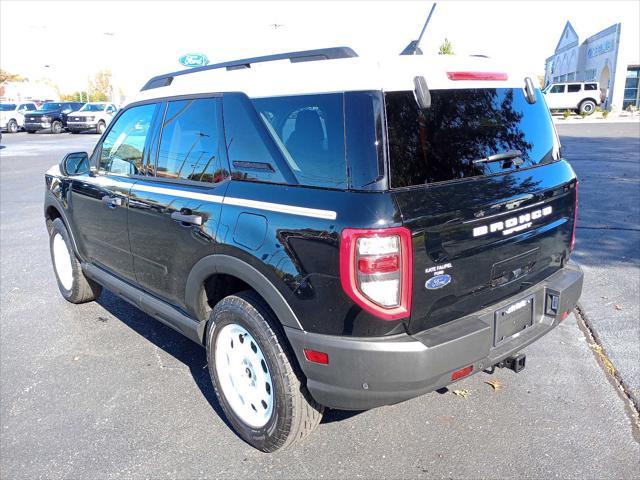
513 224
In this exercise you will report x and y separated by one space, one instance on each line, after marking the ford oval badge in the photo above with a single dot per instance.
438 281
194 60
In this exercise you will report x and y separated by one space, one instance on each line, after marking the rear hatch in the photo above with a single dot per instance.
483 228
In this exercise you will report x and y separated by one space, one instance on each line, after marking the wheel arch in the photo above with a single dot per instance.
217 264
53 211
586 100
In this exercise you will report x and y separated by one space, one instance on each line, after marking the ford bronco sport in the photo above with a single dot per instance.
338 233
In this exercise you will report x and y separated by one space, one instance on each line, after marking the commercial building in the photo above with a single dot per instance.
602 58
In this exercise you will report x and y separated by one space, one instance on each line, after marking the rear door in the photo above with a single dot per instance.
574 94
99 201
175 207
481 230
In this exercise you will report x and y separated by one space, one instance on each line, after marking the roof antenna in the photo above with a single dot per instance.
414 46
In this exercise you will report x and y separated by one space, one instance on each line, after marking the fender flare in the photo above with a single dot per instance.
49 202
225 264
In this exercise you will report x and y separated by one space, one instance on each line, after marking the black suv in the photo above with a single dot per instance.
52 116
349 249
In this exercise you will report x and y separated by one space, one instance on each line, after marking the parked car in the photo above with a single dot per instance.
581 97
12 115
92 116
362 233
52 116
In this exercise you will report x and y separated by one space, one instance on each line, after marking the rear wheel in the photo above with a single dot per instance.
56 127
73 285
255 377
12 126
587 106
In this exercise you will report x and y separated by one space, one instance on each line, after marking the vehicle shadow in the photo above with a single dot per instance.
172 342
183 350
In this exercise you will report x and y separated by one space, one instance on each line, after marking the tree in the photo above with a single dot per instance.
100 88
10 77
446 48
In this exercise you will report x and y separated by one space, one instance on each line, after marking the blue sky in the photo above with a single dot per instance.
146 38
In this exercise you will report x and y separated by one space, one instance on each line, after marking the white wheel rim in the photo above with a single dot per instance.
62 261
243 375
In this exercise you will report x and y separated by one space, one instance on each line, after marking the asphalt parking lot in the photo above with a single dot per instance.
102 390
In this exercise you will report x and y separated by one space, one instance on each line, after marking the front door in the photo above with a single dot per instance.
174 212
556 98
99 200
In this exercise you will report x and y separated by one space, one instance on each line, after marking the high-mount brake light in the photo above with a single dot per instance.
376 270
477 76
575 218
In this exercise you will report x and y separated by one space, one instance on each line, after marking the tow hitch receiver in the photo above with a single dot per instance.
514 362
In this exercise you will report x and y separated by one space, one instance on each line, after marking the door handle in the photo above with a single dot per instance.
192 219
112 201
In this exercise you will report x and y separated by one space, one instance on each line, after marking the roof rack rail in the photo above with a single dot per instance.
294 57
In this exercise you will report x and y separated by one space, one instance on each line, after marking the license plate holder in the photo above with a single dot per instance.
513 319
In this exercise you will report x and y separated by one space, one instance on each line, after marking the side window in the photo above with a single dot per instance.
253 153
590 86
190 146
557 89
309 130
573 88
121 152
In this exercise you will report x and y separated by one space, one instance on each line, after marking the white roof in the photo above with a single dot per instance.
282 77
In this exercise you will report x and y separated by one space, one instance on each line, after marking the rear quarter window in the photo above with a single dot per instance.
462 126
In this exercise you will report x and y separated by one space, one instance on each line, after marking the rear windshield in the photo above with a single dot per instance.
461 127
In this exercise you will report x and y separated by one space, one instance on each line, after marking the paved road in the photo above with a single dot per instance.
607 161
103 391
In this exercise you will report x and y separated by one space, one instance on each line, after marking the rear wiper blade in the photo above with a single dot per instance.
514 155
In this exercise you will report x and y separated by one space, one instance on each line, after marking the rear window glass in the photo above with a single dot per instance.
573 88
590 86
461 127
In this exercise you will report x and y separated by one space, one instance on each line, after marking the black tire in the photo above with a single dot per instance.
82 289
587 106
295 414
12 126
56 127
100 127
74 132
31 131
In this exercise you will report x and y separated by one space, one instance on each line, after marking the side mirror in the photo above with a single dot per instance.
76 163
529 90
423 96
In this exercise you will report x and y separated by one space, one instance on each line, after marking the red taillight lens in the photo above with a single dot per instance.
575 217
463 372
376 270
378 264
316 357
477 76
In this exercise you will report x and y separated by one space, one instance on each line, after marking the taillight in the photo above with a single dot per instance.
376 270
575 218
477 76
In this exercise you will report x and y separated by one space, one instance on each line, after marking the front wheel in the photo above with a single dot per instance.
73 285
587 107
255 377
100 128
12 126
56 127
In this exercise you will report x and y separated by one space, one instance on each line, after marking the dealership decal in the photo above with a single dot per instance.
513 224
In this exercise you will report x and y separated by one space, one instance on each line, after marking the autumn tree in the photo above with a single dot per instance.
100 88
10 77
446 48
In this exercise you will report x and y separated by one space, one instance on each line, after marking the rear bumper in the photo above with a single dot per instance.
365 373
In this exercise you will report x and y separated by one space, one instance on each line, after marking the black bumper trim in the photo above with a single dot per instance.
365 373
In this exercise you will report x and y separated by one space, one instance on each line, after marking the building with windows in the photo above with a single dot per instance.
600 58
